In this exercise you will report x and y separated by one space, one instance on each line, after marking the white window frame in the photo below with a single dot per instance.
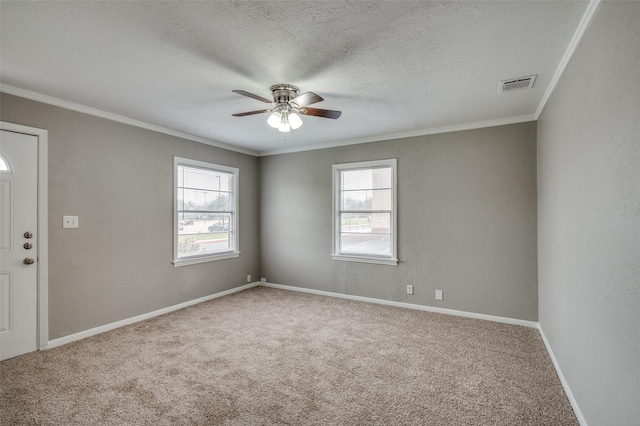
209 257
392 259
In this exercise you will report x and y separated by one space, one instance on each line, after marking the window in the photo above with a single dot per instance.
365 212
4 166
206 212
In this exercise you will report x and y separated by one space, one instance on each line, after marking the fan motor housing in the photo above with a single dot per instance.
283 93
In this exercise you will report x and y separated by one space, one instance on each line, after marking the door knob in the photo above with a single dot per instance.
28 235
28 260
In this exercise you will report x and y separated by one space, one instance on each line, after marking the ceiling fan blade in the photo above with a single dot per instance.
317 112
251 95
242 114
307 99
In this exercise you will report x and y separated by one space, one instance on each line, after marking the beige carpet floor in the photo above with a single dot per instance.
266 356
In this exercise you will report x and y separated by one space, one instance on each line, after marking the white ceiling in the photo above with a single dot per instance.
394 68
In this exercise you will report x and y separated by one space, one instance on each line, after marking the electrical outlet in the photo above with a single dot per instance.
248 278
70 221
263 280
409 289
439 295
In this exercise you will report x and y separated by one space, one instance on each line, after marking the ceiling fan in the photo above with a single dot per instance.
287 104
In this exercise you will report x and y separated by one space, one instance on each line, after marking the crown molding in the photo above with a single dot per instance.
583 26
39 97
28 94
401 135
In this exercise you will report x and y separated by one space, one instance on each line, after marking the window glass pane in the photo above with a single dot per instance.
200 223
209 180
377 178
3 165
199 244
218 222
381 177
356 200
377 199
365 223
204 234
221 202
357 179
202 189
381 223
354 222
197 199
365 244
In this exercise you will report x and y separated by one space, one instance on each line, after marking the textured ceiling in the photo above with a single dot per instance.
392 67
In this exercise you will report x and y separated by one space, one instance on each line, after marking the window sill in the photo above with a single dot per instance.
203 259
379 261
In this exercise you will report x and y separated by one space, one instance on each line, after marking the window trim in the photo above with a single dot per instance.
211 257
381 260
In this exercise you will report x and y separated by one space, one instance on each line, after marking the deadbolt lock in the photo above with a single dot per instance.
28 235
27 246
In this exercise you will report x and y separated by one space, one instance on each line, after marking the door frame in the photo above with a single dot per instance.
42 322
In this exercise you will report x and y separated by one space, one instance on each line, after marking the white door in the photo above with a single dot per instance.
18 243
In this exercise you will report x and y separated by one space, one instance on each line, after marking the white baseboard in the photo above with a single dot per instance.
101 329
513 321
565 384
97 330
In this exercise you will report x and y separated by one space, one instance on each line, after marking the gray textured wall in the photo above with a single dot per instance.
589 218
119 180
466 221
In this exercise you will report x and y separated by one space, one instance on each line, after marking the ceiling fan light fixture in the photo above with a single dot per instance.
295 121
287 106
275 119
284 123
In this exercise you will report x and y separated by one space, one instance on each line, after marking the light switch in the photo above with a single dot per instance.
70 221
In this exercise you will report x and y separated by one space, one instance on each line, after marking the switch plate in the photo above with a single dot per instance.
70 222
409 289
439 295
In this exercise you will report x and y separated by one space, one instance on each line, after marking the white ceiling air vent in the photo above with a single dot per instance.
517 83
